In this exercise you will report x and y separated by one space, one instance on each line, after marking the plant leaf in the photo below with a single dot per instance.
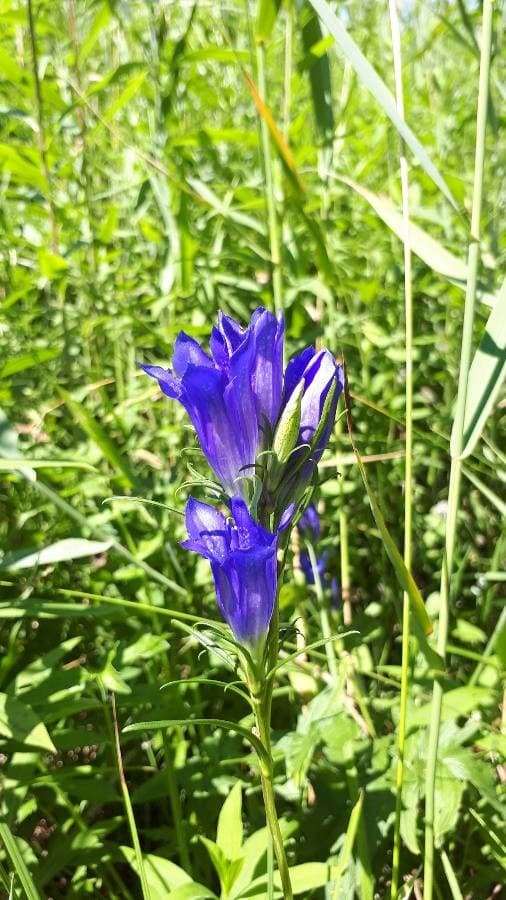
427 248
372 81
485 378
60 551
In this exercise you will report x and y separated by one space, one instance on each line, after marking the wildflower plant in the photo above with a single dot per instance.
263 431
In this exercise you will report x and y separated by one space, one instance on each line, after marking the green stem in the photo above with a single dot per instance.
175 805
287 77
457 443
408 472
332 663
41 135
263 718
128 807
277 288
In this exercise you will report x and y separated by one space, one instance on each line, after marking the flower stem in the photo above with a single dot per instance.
263 719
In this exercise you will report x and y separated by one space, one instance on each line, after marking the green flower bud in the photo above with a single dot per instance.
287 429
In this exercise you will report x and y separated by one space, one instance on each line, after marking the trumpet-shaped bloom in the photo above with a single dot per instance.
243 562
232 395
319 373
318 380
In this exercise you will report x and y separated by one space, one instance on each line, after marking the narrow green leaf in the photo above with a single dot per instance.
129 91
427 248
162 875
28 360
25 172
318 68
404 577
96 433
486 375
267 14
217 723
223 209
10 465
498 502
60 551
349 841
372 81
13 852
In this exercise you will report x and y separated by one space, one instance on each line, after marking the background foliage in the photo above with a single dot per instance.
134 205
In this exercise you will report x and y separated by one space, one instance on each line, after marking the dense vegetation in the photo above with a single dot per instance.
145 186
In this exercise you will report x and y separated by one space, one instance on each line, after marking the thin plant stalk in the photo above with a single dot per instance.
41 133
277 286
129 808
408 470
262 705
332 663
261 696
458 432
81 118
287 76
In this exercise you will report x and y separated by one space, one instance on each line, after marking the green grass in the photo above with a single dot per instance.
160 162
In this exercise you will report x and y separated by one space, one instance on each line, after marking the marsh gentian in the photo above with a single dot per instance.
243 562
313 383
321 378
309 527
233 396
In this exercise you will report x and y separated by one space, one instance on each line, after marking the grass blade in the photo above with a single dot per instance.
427 248
146 893
349 840
99 437
19 865
372 81
267 14
486 375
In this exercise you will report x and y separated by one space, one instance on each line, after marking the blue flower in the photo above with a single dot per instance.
316 380
243 562
319 374
309 523
310 527
233 397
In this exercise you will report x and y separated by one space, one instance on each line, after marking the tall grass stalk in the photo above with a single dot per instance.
408 470
270 198
287 76
129 808
41 131
456 462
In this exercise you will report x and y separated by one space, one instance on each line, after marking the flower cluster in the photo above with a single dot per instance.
262 431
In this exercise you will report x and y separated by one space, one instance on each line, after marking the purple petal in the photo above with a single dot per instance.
246 591
295 370
318 376
248 535
208 530
233 333
219 437
166 380
219 349
267 373
309 522
187 351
